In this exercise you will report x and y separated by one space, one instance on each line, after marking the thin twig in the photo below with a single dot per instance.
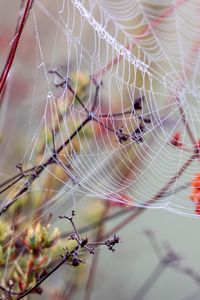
156 197
39 169
151 280
94 263
82 244
41 280
135 137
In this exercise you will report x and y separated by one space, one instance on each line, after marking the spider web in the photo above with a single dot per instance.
130 50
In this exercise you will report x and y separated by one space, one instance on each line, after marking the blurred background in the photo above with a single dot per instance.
132 50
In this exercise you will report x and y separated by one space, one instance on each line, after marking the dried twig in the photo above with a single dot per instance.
82 246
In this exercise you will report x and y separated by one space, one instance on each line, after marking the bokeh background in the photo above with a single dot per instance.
134 270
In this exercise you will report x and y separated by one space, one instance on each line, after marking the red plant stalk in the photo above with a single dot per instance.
156 197
11 56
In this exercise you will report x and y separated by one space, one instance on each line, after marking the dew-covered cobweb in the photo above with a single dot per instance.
124 51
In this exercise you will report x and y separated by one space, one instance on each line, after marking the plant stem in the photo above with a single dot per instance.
13 50
93 267
39 169
156 197
130 45
151 280
27 292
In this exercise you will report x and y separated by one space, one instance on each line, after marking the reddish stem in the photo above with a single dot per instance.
11 56
93 267
157 196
